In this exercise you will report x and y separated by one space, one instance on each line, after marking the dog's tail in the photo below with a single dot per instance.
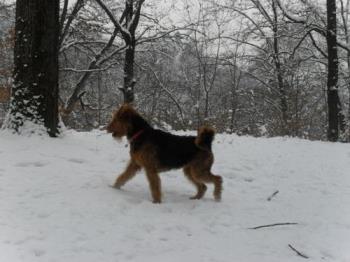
205 138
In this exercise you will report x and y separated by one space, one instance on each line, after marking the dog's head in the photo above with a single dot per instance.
121 121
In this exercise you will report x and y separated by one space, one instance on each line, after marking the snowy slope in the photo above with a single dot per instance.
56 205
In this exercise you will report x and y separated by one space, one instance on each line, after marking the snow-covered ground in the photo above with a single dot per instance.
56 203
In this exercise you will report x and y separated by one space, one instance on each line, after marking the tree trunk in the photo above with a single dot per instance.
35 91
332 81
279 74
99 99
129 80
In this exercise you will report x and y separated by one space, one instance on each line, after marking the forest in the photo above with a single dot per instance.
260 68
174 130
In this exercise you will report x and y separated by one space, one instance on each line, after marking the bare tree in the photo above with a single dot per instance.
103 50
345 72
328 30
332 80
131 13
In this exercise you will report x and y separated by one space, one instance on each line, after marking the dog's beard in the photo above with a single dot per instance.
117 137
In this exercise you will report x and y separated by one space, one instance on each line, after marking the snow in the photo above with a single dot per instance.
56 203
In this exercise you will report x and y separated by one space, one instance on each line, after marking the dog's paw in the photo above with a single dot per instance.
217 198
194 197
115 186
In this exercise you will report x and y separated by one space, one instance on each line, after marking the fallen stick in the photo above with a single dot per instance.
273 225
274 194
298 252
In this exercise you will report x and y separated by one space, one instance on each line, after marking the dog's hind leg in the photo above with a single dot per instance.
155 184
129 173
201 187
205 176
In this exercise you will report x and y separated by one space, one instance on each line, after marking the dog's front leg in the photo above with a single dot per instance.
155 185
129 173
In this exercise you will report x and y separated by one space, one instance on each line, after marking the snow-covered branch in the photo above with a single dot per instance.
124 31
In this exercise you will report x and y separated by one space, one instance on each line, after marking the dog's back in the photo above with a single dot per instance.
173 151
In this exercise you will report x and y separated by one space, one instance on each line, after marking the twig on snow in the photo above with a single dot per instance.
274 194
298 252
273 225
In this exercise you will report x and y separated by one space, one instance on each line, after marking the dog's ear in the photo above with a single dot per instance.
126 112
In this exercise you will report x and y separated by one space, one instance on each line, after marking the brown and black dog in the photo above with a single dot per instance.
157 151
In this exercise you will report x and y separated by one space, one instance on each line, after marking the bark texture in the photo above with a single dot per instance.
35 91
332 81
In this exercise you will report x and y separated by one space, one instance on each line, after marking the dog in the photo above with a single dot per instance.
156 151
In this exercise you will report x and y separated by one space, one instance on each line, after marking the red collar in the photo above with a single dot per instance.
135 136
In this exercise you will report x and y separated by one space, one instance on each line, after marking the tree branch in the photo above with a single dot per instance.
125 33
79 4
273 225
135 18
274 194
298 252
161 85
64 14
89 70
